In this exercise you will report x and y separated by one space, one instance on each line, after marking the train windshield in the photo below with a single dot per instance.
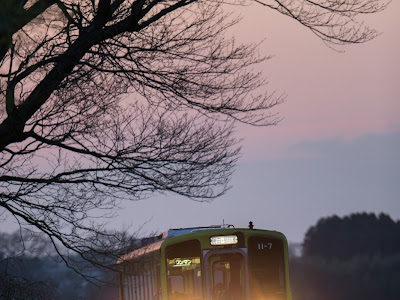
184 271
266 268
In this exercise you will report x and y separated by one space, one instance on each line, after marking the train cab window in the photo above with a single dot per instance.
266 268
184 270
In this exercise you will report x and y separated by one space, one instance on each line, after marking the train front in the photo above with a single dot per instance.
227 264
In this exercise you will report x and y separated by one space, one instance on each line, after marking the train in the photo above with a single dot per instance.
207 263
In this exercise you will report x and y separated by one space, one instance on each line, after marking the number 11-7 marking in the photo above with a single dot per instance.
263 246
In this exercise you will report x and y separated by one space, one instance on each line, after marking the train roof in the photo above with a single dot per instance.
182 231
150 244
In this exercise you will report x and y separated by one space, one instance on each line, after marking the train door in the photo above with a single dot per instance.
226 275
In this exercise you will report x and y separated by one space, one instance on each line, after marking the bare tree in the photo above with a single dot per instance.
108 100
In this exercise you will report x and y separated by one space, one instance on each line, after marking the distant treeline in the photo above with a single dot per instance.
356 257
32 270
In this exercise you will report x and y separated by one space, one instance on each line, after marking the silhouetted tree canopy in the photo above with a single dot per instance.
351 236
355 257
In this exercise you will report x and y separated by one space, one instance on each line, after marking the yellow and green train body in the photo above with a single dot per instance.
208 263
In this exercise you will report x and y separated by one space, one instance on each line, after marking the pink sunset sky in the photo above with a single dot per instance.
329 94
337 149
